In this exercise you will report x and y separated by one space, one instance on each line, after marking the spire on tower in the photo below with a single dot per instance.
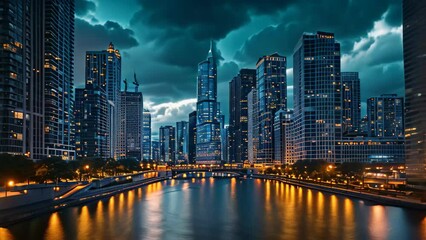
210 54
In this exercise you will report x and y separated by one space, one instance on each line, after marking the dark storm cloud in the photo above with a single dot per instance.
97 37
348 19
83 7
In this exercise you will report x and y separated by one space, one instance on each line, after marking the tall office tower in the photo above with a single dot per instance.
35 106
182 141
223 137
351 105
252 126
385 116
130 136
167 144
225 145
208 126
146 135
239 87
106 65
282 120
272 96
155 151
192 137
414 37
317 97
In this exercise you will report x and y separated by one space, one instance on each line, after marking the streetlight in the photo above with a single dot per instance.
10 184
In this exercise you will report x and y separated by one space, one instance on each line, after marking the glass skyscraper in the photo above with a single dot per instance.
208 150
239 87
317 97
414 36
272 96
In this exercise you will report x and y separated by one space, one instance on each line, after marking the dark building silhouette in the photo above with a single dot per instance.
167 144
385 116
414 37
182 135
351 103
192 137
239 87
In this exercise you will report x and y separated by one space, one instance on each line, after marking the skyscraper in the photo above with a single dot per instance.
167 144
192 137
252 125
414 36
36 107
239 87
351 105
272 96
317 96
106 64
131 124
385 116
208 149
146 135
282 120
182 140
155 150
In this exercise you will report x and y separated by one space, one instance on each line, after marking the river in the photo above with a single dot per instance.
223 209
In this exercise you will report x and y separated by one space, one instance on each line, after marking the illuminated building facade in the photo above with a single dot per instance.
146 135
252 126
239 87
351 103
271 86
386 116
167 144
282 142
36 78
317 97
208 149
414 38
182 140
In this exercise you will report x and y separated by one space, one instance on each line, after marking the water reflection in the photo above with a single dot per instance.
224 209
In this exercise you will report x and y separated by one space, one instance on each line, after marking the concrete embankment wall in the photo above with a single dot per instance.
34 194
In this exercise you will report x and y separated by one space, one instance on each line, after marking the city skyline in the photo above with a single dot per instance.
265 31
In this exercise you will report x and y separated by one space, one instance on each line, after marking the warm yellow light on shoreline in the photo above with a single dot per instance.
11 183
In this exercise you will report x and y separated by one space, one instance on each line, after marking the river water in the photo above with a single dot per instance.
223 209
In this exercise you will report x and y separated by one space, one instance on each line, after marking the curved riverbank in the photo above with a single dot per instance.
11 216
374 198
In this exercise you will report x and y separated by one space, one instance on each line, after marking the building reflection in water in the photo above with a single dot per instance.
232 209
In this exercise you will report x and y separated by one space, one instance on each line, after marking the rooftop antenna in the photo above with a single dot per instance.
136 82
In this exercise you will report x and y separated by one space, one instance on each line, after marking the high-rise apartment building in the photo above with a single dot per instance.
414 37
385 116
272 96
36 78
252 126
239 87
351 103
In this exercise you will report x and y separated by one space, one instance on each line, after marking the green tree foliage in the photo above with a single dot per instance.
54 169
